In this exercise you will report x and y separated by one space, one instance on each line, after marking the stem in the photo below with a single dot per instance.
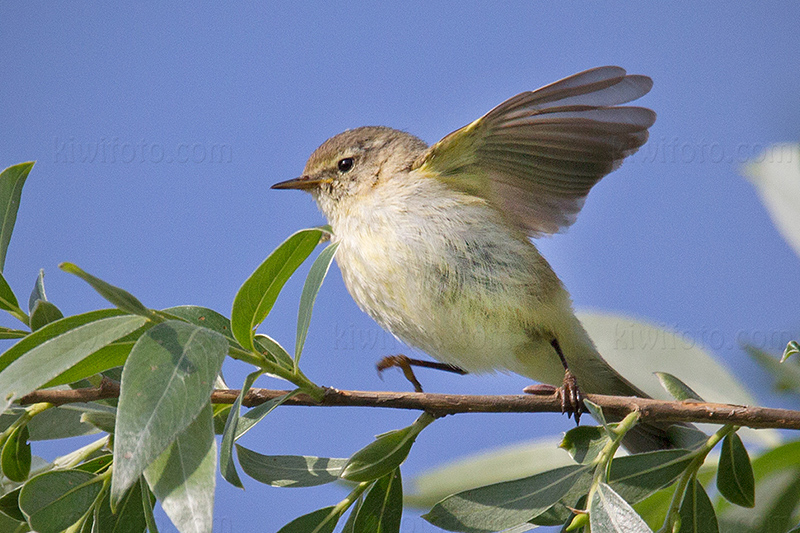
424 420
340 508
603 460
450 404
351 498
24 418
297 377
71 460
691 471
253 358
20 315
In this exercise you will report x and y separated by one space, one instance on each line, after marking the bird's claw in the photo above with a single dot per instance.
402 362
571 397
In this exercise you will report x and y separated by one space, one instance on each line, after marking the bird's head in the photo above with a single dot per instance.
351 165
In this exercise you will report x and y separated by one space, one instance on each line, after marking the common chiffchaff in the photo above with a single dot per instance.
434 240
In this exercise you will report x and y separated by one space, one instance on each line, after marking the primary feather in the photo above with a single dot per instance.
536 156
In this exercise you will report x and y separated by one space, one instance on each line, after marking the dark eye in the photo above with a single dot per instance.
345 164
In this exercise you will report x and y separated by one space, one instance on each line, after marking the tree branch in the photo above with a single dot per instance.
446 404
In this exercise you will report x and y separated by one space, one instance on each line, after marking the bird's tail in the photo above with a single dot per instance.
596 376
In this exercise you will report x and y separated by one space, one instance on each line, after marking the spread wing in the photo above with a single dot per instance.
537 155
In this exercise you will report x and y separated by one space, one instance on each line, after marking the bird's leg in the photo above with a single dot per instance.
571 395
405 363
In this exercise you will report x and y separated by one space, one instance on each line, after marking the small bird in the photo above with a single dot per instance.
434 241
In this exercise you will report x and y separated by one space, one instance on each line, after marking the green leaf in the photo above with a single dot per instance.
522 528
11 181
16 455
383 506
488 467
221 412
176 364
786 375
43 313
320 521
51 331
780 458
597 413
257 413
128 518
575 498
183 477
104 420
609 513
777 499
49 359
226 465
12 525
257 295
203 316
561 512
351 520
316 275
735 473
653 509
96 465
777 181
59 423
504 505
584 443
696 511
120 298
9 505
677 388
274 350
10 333
793 348
289 470
55 500
8 301
148 501
38 291
107 357
385 453
637 476
84 525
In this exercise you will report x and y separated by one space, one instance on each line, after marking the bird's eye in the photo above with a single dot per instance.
345 164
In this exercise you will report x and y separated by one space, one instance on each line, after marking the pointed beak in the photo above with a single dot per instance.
303 183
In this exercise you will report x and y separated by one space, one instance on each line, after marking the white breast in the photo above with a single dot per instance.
444 273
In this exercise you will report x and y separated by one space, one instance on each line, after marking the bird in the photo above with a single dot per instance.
435 242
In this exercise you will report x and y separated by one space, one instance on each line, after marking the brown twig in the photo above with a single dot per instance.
446 404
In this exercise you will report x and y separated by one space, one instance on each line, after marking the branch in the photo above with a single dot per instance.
448 404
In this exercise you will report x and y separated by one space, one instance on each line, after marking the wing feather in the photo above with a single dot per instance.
537 155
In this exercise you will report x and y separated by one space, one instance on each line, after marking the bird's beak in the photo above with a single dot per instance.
303 183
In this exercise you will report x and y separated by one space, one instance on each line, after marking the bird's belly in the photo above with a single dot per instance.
468 300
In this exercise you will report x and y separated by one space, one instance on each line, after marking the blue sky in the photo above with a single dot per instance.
158 130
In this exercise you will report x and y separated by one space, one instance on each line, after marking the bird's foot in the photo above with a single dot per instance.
405 363
571 397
